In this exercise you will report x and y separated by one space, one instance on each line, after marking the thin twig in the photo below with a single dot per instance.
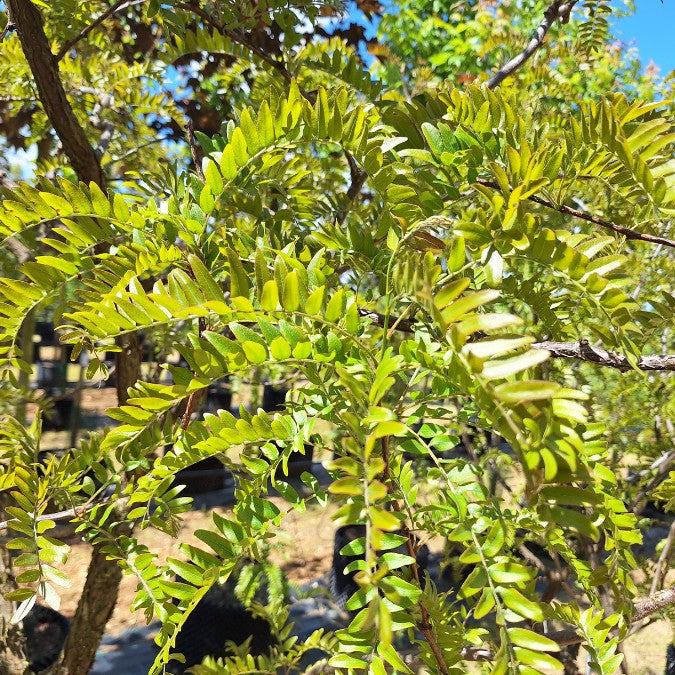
666 458
403 325
85 31
59 515
358 178
558 9
106 127
357 174
568 210
662 472
9 26
235 37
133 151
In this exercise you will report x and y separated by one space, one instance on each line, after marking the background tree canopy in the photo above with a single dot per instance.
444 226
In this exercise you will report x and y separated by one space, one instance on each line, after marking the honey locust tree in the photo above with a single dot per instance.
421 242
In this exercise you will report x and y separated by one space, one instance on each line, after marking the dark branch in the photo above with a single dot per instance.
9 27
194 148
44 68
357 174
662 466
620 229
557 9
85 31
584 351
358 178
404 325
662 562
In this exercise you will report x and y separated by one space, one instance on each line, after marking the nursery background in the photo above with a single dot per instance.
336 338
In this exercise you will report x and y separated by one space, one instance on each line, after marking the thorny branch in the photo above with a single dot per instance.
582 350
601 222
558 9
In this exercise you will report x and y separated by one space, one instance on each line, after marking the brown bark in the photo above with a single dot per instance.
127 365
43 65
582 215
94 609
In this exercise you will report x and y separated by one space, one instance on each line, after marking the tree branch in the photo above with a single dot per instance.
195 150
568 210
235 37
557 9
85 31
662 466
44 68
357 174
404 325
358 178
99 594
584 351
662 563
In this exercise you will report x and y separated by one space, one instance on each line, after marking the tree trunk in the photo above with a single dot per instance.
12 659
95 607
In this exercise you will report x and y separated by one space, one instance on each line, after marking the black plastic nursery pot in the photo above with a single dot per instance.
46 332
298 462
60 415
45 630
217 619
273 398
342 585
206 475
218 398
51 374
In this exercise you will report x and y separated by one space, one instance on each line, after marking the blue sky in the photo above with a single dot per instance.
652 30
